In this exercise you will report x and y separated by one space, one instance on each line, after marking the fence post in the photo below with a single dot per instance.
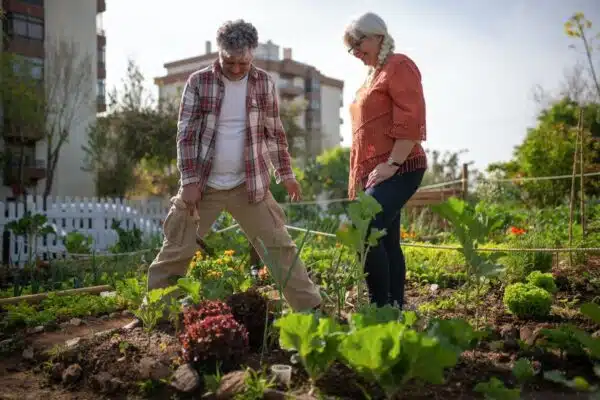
465 181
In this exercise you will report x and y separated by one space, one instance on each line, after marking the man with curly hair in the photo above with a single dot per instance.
229 133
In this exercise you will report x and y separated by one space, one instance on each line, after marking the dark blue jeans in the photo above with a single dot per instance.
385 266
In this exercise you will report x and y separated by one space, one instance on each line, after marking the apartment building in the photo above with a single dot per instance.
32 28
295 81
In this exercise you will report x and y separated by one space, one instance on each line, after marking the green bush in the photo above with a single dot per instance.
527 301
520 264
542 280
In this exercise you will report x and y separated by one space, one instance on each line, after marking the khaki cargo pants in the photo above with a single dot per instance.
264 220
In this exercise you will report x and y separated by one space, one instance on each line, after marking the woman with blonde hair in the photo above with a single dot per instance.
386 159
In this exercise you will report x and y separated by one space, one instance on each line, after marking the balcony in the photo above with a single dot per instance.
288 89
22 136
100 6
33 171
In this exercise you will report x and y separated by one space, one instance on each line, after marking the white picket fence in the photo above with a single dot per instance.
89 216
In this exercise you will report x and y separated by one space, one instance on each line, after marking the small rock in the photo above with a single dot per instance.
232 384
103 382
434 288
37 329
509 332
151 368
105 333
6 343
127 313
64 325
108 294
75 321
595 335
136 323
273 394
528 335
57 371
113 315
72 343
104 317
186 379
72 374
28 354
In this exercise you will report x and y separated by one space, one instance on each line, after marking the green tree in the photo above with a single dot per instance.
133 147
548 150
290 112
22 104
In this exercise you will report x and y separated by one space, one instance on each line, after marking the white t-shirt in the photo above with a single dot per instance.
228 169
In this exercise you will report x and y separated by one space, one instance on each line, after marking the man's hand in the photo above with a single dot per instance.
380 173
190 194
293 188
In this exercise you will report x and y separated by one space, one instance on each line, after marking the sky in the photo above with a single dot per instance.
480 59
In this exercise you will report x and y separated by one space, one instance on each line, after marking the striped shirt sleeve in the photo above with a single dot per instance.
188 132
275 135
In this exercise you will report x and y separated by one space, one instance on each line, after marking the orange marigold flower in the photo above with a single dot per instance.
516 231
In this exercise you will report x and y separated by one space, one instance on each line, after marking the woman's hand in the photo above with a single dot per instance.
380 174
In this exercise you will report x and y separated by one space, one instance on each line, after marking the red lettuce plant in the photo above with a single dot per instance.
215 339
206 308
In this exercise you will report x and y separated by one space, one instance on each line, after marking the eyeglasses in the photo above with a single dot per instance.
356 45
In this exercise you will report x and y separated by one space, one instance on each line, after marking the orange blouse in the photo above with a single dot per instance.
391 108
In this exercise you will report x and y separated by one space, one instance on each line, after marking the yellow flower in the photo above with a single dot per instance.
229 252
214 274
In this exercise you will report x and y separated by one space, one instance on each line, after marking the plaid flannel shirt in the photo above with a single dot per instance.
266 144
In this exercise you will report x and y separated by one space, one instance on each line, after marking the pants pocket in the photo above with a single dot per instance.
276 212
174 226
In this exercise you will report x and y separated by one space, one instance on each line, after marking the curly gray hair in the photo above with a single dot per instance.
237 36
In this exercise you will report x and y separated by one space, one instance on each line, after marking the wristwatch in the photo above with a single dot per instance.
393 163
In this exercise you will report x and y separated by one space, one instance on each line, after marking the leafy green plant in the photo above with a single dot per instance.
132 290
391 355
31 227
562 339
519 264
314 339
152 310
494 389
128 240
472 228
542 280
256 383
192 287
527 301
78 243
357 235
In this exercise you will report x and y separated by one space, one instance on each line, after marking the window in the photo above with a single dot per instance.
314 104
101 55
34 67
26 26
101 90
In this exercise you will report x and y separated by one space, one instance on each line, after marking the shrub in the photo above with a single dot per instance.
249 309
542 280
527 301
207 308
215 339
